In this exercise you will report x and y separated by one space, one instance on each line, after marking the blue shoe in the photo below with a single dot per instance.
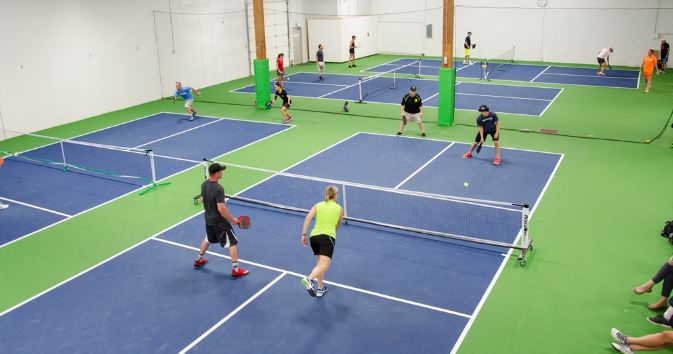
308 284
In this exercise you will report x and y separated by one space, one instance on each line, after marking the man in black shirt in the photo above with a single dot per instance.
467 45
411 110
665 48
287 101
219 221
320 61
488 124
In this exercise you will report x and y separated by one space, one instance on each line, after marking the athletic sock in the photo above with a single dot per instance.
234 266
669 313
200 257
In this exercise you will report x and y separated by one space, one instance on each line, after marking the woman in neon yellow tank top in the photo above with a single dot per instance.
328 216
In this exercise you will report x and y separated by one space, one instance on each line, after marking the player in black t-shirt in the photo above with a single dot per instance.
663 52
411 110
468 46
488 124
218 220
287 101
320 62
351 53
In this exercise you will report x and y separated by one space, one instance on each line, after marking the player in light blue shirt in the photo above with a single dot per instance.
186 94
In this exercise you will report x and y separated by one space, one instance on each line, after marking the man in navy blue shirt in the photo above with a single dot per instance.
488 124
186 94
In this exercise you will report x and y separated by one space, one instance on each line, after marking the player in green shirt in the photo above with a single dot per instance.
328 216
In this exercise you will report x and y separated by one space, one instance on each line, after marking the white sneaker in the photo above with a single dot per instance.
4 206
622 348
618 336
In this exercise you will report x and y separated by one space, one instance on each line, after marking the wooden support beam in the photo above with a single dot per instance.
260 35
447 34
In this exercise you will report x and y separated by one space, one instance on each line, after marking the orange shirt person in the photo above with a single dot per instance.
648 66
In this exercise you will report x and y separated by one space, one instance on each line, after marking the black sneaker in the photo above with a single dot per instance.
423 135
399 133
660 320
321 292
354 65
350 66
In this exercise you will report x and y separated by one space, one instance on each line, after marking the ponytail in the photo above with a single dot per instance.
331 193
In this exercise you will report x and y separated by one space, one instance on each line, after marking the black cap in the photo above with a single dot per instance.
412 88
483 108
215 168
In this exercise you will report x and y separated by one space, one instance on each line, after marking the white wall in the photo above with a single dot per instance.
62 61
335 35
564 31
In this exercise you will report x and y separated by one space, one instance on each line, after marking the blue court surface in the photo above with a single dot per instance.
521 72
45 194
523 100
390 292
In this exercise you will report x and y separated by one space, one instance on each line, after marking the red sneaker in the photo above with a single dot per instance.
496 161
467 155
239 272
198 263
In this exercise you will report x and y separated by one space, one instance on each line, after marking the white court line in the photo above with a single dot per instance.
313 83
551 103
596 76
538 75
463 67
467 327
155 235
231 314
88 269
35 207
338 285
433 96
458 142
508 97
163 179
424 166
176 134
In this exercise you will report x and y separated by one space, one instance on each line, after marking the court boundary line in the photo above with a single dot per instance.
387 103
141 187
507 97
553 83
601 77
232 314
154 235
36 207
424 165
338 285
538 75
488 291
588 66
176 134
552 102
458 142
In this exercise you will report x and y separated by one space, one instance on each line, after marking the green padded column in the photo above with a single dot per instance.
262 82
447 96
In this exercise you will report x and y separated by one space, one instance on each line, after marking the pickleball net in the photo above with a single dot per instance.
391 79
429 215
498 64
134 166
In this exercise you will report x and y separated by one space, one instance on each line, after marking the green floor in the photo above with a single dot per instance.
595 231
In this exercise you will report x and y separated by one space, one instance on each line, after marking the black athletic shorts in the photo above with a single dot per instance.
351 50
323 245
224 235
601 60
280 73
486 134
286 105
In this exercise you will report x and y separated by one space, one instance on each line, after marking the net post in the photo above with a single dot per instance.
447 96
205 168
418 75
345 200
154 185
395 78
360 90
525 244
65 163
150 153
